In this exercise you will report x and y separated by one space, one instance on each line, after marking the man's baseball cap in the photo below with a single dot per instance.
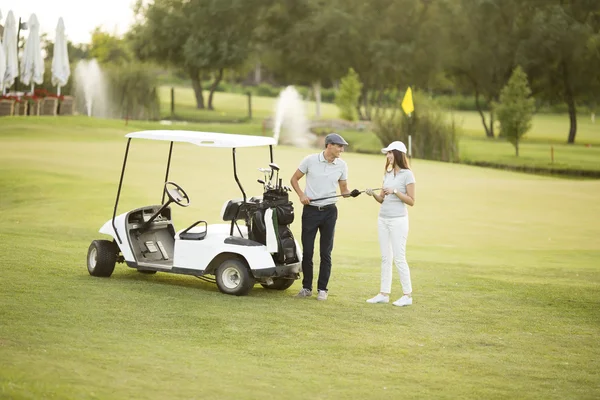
397 145
334 138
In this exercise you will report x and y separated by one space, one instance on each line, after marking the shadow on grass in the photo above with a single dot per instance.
186 281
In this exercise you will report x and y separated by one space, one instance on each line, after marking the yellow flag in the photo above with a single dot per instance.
407 103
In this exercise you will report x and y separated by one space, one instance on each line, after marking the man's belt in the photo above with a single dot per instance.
322 208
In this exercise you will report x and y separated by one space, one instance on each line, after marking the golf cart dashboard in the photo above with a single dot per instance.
138 217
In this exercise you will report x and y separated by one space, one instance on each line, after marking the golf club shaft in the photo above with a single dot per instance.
339 195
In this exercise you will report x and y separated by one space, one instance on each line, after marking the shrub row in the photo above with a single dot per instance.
433 137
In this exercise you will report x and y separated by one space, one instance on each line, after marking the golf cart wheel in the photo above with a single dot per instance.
233 277
101 258
279 284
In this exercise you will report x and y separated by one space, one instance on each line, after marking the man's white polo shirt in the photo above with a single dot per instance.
322 177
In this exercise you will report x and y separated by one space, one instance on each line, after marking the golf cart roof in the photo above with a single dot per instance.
207 139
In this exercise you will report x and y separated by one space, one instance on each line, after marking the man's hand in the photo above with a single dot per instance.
304 199
294 182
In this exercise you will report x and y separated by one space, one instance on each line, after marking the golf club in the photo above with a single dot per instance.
341 195
265 171
262 182
274 167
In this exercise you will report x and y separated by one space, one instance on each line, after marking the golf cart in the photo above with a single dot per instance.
254 245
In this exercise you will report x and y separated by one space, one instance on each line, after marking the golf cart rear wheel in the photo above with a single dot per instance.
279 284
233 277
101 258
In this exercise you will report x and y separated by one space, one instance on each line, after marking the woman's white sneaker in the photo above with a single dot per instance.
380 298
403 301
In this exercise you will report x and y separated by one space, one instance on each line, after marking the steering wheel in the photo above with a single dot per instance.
177 194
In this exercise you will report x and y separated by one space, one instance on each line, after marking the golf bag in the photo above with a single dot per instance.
282 217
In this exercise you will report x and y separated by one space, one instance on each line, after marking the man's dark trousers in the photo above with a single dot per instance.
315 219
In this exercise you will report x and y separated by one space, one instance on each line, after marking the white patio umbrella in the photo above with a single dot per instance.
9 41
60 60
2 61
32 64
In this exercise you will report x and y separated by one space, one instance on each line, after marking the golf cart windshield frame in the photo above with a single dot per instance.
203 139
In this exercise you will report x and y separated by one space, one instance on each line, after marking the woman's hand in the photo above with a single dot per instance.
369 192
388 191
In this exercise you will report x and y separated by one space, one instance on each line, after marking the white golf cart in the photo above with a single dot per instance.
263 250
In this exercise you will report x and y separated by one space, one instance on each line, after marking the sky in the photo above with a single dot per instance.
80 16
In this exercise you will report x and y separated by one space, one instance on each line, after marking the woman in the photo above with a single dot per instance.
398 190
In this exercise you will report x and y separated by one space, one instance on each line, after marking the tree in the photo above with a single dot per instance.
76 51
109 49
299 36
515 109
347 96
561 52
392 44
203 37
484 39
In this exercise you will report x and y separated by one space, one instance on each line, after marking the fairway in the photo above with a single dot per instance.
505 270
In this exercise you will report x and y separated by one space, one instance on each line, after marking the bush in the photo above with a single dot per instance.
66 90
347 96
266 90
433 136
133 92
328 95
460 102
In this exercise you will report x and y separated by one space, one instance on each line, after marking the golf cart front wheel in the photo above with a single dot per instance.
233 277
101 258
279 284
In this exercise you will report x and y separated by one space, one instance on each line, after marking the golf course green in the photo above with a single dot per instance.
505 269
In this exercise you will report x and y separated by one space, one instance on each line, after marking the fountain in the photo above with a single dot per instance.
90 89
291 125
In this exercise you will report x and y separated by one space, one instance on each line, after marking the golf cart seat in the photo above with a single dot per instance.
187 235
236 209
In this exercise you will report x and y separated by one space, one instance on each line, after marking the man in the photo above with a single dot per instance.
324 172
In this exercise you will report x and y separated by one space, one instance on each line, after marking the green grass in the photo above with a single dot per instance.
229 106
546 128
532 154
504 268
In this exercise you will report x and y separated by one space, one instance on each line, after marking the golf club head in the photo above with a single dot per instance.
260 181
274 166
264 170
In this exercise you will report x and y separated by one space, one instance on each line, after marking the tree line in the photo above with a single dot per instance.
467 47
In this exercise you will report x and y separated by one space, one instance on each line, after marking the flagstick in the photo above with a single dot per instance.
409 136
58 90
408 107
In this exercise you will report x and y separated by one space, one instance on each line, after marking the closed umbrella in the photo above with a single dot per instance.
32 64
9 41
60 60
2 61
